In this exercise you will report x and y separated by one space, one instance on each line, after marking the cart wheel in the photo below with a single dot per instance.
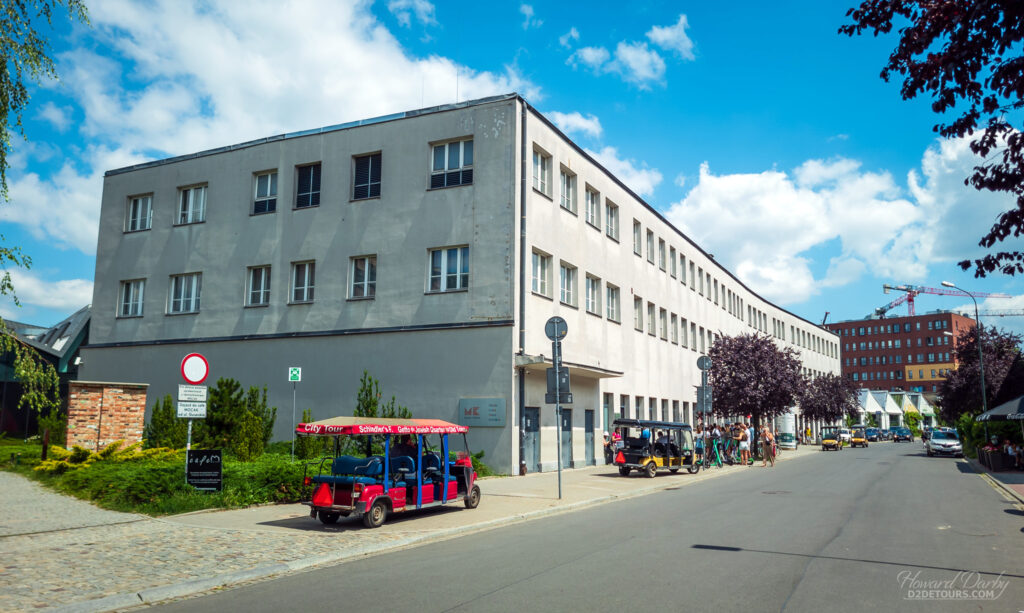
824 448
624 471
651 469
328 517
472 499
375 516
694 468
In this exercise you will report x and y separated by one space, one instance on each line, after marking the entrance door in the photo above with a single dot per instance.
531 439
566 438
588 436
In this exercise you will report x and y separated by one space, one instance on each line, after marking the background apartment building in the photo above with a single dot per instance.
429 248
913 353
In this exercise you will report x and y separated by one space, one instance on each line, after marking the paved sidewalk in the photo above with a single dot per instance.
1010 481
64 554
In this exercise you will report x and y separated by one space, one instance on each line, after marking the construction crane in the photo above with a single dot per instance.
911 291
1009 313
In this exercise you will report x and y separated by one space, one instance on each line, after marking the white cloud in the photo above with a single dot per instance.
680 180
641 180
214 75
569 37
57 116
637 64
529 21
763 225
593 58
64 295
673 38
576 123
403 11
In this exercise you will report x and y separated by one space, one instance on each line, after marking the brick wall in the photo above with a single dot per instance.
101 413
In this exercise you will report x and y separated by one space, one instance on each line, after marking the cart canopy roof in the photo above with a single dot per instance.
377 425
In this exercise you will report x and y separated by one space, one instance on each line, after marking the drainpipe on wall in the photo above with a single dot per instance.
522 284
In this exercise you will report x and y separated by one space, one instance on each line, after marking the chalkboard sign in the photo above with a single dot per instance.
203 470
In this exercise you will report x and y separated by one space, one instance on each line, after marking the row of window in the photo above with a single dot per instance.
933 324
929 341
652 408
897 375
451 164
447 271
897 359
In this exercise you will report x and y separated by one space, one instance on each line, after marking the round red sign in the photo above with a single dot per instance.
194 368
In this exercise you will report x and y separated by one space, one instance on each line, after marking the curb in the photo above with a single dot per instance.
996 484
154 595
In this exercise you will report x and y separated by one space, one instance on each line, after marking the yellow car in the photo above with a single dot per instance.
830 439
858 438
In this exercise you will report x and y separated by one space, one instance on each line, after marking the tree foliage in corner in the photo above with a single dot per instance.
961 390
239 421
829 397
967 55
368 402
164 428
752 376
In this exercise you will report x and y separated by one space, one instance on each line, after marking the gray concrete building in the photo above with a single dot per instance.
428 248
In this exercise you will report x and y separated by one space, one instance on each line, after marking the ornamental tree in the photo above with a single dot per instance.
960 392
751 375
967 56
829 397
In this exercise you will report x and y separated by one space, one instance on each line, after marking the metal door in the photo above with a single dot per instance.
531 439
566 438
588 436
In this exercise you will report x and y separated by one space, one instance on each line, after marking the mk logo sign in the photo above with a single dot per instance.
472 412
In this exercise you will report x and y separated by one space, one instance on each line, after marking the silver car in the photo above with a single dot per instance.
944 443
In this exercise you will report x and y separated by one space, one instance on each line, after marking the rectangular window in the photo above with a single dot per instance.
661 254
693 337
567 283
452 164
184 294
131 298
672 259
639 406
652 407
611 220
703 348
542 274
366 183
593 206
638 313
307 191
364 277
259 286
624 406
683 336
637 238
692 282
650 318
650 246
700 277
265 197
675 328
567 182
303 281
542 172
192 205
715 283
140 214
593 295
612 303
663 324
449 269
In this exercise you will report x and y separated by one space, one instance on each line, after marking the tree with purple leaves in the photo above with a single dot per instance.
960 392
829 398
752 376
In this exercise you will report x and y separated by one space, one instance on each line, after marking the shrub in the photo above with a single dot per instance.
164 428
57 423
309 447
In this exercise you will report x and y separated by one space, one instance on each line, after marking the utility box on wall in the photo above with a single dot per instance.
101 413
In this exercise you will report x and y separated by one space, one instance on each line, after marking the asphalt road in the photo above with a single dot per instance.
881 528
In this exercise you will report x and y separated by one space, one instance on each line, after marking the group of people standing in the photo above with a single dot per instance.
740 436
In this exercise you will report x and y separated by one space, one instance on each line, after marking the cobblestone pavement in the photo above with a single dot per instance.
57 552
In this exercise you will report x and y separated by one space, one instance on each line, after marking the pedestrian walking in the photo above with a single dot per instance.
767 445
744 445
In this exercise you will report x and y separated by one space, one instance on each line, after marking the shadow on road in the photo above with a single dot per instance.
842 559
309 524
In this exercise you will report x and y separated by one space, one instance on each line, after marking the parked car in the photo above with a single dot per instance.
902 434
884 435
844 434
944 443
872 434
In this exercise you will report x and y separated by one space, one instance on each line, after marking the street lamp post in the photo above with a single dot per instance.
981 358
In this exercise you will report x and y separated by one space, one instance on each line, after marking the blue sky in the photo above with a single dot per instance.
754 127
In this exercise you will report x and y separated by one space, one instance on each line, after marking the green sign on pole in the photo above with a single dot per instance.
294 374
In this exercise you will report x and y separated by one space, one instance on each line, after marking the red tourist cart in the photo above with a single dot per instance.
415 470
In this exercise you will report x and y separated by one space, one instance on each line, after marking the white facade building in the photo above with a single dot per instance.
429 248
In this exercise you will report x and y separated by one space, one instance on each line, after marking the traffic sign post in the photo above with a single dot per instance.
704 391
295 376
192 397
558 383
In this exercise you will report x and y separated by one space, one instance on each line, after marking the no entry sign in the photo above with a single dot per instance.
194 368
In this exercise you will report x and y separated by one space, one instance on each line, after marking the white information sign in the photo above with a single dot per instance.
192 393
294 374
192 410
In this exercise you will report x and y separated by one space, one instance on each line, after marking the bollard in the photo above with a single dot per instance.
522 468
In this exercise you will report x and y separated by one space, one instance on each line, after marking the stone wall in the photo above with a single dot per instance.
101 413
